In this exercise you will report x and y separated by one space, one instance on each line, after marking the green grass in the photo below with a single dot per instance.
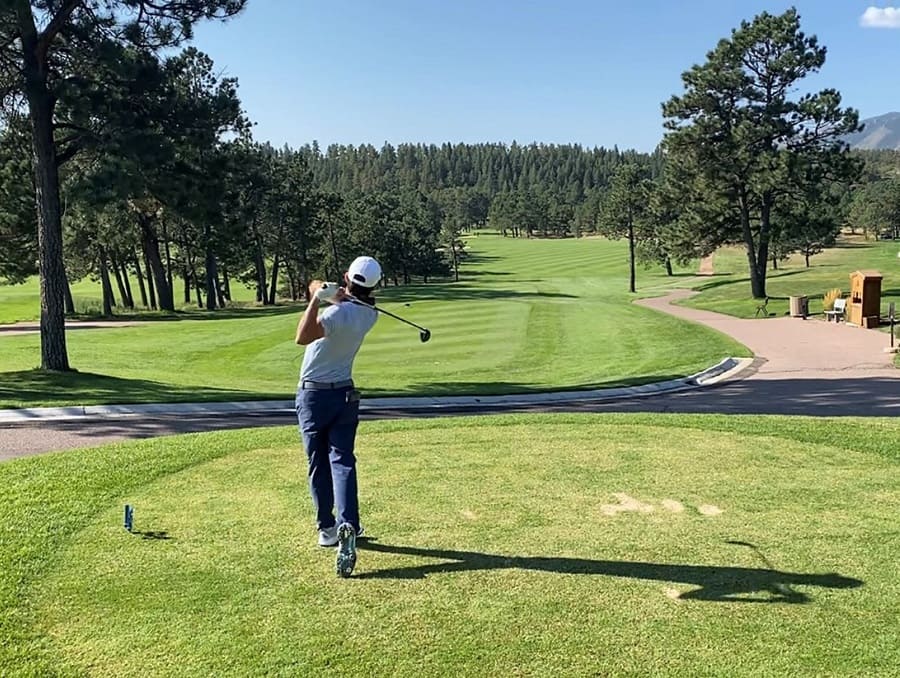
21 303
528 315
729 290
493 553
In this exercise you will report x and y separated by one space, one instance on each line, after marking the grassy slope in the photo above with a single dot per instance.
485 564
729 290
527 315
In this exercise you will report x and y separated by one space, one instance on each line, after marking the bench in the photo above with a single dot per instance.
840 306
763 308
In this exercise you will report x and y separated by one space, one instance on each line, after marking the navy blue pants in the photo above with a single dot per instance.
328 425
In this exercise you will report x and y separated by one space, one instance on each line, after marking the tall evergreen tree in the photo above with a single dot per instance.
624 211
56 44
742 146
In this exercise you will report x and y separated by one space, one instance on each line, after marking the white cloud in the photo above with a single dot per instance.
880 17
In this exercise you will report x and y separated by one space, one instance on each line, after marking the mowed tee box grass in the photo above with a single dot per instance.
527 315
677 545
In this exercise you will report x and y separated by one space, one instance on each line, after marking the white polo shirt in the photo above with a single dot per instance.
330 359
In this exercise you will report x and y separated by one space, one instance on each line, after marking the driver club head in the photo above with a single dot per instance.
425 335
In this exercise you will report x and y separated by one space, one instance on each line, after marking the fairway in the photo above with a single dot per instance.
539 545
527 315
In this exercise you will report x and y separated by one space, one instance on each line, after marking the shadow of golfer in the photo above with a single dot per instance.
717 584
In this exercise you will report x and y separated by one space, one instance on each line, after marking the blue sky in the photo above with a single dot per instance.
556 71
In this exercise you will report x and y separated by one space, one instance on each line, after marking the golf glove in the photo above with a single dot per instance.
328 292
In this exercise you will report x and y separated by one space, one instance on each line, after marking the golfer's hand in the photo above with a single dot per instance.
328 291
313 288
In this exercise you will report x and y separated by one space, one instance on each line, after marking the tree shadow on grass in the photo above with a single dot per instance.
714 583
32 388
846 245
775 275
695 274
228 313
453 291
38 386
479 258
484 388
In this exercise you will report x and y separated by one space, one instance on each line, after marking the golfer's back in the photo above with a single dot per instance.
330 359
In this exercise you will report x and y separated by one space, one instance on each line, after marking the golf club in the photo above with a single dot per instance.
424 334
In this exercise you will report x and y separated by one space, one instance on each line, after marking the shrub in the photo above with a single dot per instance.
830 297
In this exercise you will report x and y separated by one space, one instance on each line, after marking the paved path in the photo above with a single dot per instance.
794 348
803 367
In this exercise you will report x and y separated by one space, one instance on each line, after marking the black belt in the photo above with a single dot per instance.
324 385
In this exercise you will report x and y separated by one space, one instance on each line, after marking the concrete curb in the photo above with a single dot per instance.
727 369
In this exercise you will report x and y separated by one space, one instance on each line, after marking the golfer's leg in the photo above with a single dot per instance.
342 438
310 415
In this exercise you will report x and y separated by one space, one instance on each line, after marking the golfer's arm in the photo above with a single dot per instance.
309 328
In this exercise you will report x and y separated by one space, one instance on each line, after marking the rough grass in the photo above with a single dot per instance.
528 315
496 552
21 303
728 291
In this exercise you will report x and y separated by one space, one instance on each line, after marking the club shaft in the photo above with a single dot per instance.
381 310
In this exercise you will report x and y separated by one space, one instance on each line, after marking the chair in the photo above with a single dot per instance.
763 308
840 307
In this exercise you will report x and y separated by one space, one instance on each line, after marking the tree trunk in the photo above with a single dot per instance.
151 250
70 302
129 300
668 264
806 256
271 300
151 288
54 354
764 231
121 283
260 264
631 271
757 281
186 275
274 288
226 284
211 275
196 280
292 282
108 300
260 279
169 277
220 294
774 262
140 276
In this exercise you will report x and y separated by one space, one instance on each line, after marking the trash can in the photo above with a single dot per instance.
799 307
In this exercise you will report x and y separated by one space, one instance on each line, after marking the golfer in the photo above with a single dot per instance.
328 404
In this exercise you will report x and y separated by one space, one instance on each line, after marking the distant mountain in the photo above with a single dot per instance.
881 133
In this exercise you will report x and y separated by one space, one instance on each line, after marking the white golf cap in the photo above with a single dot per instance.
364 271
